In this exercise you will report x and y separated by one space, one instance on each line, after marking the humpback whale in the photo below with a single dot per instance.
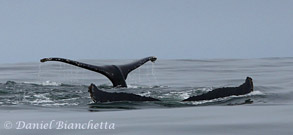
117 74
102 96
98 95
243 89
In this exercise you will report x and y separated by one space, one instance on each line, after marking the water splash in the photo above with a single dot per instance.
39 71
154 75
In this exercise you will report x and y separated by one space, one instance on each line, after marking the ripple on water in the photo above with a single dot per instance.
52 94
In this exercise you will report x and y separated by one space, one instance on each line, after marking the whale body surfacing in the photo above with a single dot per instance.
98 95
243 89
102 96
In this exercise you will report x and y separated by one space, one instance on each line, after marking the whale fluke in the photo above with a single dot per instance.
243 89
117 74
102 96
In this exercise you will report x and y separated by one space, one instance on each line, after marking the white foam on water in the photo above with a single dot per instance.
41 98
46 83
147 94
60 104
254 93
184 95
177 94
207 89
69 99
132 86
181 94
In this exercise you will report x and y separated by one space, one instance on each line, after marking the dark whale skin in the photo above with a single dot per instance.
117 74
98 95
243 89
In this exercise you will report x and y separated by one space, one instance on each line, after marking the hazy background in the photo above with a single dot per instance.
131 29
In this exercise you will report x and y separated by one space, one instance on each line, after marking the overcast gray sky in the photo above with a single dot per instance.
132 29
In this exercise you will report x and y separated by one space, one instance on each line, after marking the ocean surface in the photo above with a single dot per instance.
43 92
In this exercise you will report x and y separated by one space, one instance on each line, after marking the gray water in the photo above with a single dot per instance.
52 87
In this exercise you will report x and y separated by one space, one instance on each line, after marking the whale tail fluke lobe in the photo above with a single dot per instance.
99 69
127 68
117 74
243 89
94 68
